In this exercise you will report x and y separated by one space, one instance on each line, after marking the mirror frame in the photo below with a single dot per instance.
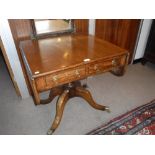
34 34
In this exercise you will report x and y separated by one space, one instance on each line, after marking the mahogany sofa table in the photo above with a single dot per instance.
59 63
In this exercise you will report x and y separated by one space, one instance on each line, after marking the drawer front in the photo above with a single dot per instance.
65 77
95 68
103 65
109 64
69 75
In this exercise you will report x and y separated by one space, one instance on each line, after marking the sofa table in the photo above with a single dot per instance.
59 63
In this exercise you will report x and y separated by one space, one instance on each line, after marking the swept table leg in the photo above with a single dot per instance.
81 92
66 92
53 93
59 111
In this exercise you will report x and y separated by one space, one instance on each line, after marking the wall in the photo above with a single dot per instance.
92 26
141 40
121 32
11 52
143 36
81 25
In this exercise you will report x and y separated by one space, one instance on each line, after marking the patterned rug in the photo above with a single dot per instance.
140 121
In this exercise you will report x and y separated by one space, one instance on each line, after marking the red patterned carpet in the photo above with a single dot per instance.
140 121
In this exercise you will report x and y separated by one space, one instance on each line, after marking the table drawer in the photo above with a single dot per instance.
65 76
95 67
102 65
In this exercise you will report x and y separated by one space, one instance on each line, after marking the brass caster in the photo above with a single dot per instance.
50 131
107 109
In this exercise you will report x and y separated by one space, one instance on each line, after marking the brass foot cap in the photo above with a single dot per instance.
107 109
50 131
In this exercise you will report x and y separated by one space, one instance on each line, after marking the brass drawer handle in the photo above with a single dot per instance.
96 68
77 73
114 62
55 78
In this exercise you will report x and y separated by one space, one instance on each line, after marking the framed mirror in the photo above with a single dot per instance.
51 27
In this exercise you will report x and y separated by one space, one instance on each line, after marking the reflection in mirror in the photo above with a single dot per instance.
44 27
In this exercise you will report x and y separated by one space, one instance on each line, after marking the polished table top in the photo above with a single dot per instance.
52 54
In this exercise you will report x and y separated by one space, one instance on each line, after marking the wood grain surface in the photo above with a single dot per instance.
121 32
81 25
49 55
